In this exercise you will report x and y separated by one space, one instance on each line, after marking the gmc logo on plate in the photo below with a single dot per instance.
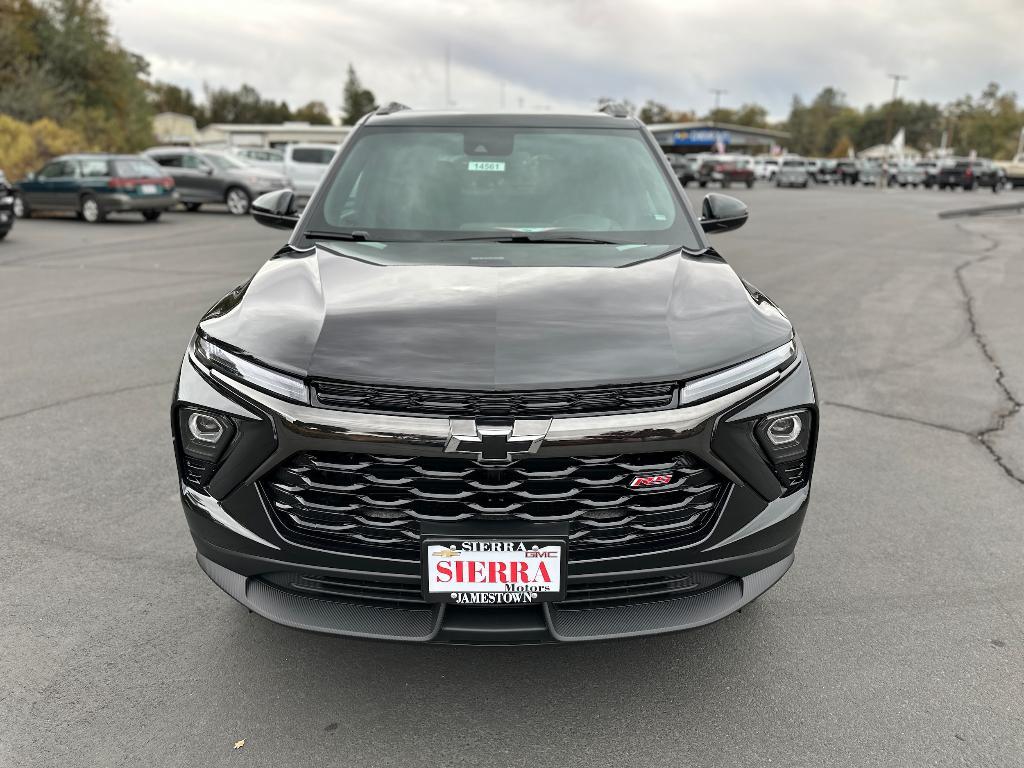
646 481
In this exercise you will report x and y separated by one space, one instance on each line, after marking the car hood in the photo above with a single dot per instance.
351 313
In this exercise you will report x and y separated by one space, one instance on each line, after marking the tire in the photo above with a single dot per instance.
804 185
995 188
21 208
4 234
237 201
193 207
702 184
91 210
750 183
151 215
968 187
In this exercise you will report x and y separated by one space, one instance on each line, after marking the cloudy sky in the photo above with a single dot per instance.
559 54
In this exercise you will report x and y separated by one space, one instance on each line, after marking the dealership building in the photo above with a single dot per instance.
704 136
173 128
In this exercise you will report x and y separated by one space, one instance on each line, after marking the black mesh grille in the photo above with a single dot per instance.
196 471
471 404
374 504
579 596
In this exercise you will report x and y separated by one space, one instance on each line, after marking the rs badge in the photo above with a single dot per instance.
646 481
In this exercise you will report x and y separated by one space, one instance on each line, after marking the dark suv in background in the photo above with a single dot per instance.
498 387
970 174
92 186
207 176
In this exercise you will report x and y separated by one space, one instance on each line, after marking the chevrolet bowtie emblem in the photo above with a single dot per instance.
497 444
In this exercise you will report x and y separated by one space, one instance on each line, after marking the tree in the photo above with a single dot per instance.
315 113
59 60
166 97
990 125
358 101
753 115
243 106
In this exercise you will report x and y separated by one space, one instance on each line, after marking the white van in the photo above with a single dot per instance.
305 165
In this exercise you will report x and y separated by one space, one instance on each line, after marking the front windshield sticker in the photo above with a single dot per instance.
486 165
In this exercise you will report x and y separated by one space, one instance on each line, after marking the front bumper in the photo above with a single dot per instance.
245 552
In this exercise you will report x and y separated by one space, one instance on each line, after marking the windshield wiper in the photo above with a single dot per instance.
357 235
523 238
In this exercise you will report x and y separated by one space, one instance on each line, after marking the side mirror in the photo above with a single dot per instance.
276 209
721 213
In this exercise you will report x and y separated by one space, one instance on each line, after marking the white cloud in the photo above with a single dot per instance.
560 54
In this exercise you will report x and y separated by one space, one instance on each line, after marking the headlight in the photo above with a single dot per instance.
739 375
248 372
7 200
204 434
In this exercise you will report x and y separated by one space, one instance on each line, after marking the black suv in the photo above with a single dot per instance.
497 387
970 174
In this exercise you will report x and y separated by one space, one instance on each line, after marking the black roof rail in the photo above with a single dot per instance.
390 108
615 109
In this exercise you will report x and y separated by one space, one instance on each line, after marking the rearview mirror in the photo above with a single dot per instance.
721 213
276 209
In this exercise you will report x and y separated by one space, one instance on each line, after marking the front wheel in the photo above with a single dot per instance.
193 207
995 188
750 183
4 234
151 215
91 210
702 184
237 200
21 209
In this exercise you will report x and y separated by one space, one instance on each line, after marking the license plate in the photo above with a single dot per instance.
149 189
493 571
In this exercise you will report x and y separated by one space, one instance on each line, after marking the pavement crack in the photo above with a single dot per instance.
88 396
1011 405
899 417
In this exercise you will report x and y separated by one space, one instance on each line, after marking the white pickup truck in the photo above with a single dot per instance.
1014 170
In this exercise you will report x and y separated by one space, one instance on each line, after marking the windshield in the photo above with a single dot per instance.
223 162
138 168
793 164
433 184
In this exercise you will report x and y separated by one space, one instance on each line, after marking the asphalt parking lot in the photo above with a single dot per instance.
897 638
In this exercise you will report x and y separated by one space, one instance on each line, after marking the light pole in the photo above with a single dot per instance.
718 97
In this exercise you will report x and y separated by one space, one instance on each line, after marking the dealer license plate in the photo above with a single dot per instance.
149 189
493 571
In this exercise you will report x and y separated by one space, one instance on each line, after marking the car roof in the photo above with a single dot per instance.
452 119
98 156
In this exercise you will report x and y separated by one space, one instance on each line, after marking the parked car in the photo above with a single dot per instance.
399 443
261 157
871 173
725 170
970 174
6 206
1013 170
824 172
207 176
908 175
93 186
765 167
305 165
792 173
929 172
847 171
684 167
